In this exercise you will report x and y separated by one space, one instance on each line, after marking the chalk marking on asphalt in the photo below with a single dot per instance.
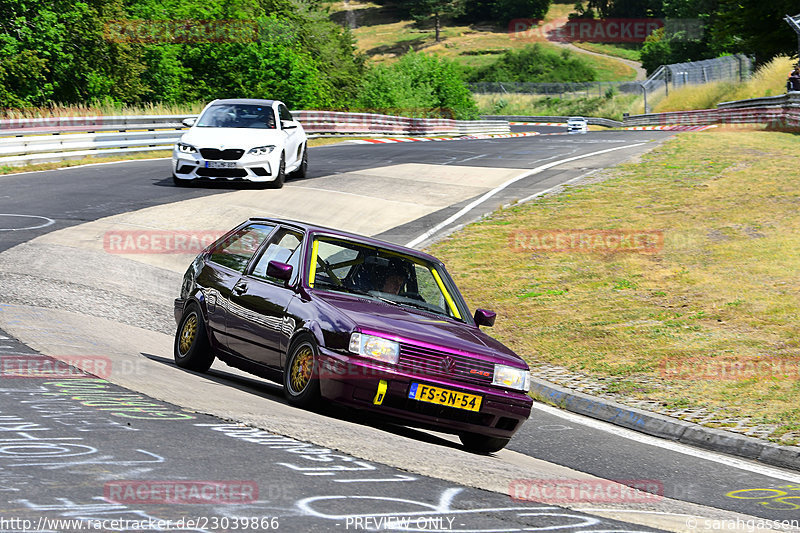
685 449
48 222
431 232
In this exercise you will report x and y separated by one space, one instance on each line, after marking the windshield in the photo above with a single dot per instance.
386 275
238 116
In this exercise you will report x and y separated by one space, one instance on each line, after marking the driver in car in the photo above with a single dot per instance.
395 278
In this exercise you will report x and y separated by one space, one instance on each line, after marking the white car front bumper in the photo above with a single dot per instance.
224 165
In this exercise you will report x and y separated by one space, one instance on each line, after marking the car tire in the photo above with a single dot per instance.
192 350
301 374
180 182
277 183
302 170
482 443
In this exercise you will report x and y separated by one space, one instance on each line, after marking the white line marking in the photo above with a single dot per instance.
428 234
542 193
685 449
48 222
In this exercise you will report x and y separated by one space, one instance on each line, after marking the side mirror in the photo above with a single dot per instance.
188 122
279 270
288 124
485 318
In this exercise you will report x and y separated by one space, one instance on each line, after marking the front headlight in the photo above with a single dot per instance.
374 347
512 378
186 148
261 150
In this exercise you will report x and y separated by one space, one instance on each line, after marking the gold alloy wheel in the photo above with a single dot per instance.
300 371
188 333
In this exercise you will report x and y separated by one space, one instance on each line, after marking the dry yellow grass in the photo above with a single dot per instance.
384 39
189 108
768 80
724 286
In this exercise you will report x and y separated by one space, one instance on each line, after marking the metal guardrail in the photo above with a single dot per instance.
782 111
597 121
43 140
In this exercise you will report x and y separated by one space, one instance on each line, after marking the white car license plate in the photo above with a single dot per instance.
220 164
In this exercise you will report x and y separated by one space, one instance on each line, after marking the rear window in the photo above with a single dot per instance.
235 251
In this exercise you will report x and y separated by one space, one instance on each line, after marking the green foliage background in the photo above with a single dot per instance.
69 52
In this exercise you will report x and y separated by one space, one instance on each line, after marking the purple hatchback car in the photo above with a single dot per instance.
354 320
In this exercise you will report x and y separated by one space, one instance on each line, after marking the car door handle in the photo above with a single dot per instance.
240 287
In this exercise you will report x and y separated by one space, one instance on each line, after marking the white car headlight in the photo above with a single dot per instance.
261 150
186 148
376 348
512 378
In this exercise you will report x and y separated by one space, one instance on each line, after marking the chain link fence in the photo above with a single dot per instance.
734 68
592 88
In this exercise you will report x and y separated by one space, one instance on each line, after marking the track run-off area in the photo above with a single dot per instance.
77 449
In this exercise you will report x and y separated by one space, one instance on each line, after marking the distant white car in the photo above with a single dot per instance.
241 139
577 125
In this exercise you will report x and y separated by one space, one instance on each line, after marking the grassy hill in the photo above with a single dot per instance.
383 36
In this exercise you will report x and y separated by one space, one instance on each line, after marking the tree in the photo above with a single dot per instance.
620 8
424 9
506 10
756 27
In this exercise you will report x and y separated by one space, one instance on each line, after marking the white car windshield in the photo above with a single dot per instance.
238 116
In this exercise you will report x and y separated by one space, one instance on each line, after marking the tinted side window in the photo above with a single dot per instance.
284 112
235 251
283 247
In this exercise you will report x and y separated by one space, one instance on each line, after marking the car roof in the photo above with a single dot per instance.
314 228
250 101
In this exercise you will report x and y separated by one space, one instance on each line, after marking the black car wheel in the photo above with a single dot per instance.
192 349
280 177
302 170
481 443
301 375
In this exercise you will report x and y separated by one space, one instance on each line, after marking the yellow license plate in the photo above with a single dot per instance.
450 398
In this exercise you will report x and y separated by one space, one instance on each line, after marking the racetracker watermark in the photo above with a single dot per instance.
75 123
43 367
166 242
585 30
172 31
588 241
563 491
728 369
181 31
181 492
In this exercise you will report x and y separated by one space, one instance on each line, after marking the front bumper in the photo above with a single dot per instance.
256 168
354 382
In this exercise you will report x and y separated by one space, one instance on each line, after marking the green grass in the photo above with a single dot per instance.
722 287
631 53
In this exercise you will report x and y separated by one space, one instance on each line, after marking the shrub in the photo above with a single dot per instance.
418 84
535 63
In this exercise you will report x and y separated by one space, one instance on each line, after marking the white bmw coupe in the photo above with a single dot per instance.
241 139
